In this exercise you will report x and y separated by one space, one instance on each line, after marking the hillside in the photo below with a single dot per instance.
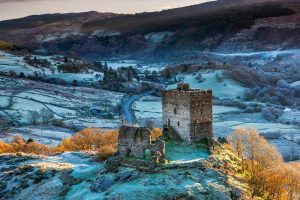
75 175
183 29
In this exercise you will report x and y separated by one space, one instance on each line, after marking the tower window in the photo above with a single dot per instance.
175 111
178 123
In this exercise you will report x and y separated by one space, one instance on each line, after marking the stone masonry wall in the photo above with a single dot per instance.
176 112
135 141
201 115
188 112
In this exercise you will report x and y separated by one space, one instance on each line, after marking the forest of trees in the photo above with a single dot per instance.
123 74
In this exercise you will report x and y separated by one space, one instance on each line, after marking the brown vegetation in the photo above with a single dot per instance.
156 133
11 47
267 174
92 139
20 145
105 142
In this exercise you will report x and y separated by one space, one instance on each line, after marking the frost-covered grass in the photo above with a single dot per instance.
48 135
4 102
115 64
80 77
295 84
16 63
178 153
148 107
10 62
151 107
290 115
226 127
93 122
227 88
217 110
70 105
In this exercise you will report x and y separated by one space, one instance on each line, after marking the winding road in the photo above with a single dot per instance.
126 108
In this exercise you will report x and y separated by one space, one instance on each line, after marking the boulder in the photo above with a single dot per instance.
102 183
125 176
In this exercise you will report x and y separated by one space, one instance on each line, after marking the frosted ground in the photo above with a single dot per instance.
226 119
71 105
73 175
222 89
10 62
115 64
16 63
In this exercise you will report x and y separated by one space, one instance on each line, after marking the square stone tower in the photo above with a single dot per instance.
187 113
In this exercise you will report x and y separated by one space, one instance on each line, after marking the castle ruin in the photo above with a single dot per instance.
137 142
187 113
187 116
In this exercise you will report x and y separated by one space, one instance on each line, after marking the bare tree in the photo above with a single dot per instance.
34 117
46 115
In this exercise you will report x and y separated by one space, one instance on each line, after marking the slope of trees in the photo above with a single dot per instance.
213 17
268 175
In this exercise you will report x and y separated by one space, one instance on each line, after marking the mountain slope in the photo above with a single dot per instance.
225 25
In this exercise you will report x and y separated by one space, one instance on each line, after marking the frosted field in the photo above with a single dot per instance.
290 115
225 89
70 104
295 84
115 64
80 77
10 62
4 102
92 122
150 107
47 135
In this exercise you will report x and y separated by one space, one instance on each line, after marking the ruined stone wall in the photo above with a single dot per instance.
176 112
133 141
201 115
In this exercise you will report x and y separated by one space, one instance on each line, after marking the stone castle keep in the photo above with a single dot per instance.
187 113
187 116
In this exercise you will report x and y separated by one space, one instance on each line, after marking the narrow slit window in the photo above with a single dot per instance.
178 123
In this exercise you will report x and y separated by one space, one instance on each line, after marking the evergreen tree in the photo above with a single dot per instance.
105 66
154 75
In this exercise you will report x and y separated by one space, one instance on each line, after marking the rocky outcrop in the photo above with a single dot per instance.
74 176
102 183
